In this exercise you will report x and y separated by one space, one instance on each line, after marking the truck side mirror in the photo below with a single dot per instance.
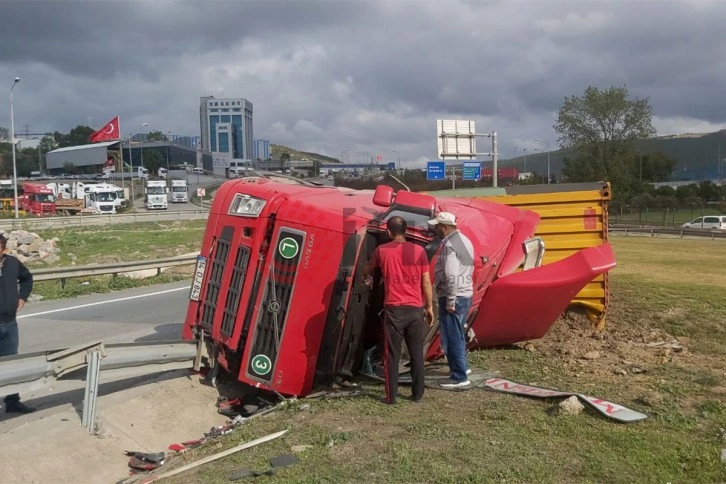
383 196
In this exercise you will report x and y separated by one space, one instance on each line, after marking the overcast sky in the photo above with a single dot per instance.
365 76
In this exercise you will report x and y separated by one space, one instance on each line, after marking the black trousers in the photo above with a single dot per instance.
404 323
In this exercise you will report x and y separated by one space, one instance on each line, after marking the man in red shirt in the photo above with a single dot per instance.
408 302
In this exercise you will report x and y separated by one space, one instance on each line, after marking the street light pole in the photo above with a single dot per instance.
548 158
12 141
143 138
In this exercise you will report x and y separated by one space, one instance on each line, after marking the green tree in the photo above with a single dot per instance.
77 136
4 134
156 136
152 160
285 156
600 126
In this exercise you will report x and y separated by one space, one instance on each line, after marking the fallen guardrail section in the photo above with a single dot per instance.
63 273
652 231
29 372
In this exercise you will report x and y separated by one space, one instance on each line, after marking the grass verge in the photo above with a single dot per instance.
484 436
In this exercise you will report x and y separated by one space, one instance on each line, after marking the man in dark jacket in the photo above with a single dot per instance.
16 283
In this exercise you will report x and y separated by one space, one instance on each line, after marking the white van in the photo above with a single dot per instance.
717 222
198 171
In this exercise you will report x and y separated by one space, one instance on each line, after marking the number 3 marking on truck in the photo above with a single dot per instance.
288 248
261 365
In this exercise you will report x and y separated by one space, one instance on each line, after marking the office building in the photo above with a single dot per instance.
226 129
262 149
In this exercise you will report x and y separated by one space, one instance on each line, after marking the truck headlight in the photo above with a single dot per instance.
246 206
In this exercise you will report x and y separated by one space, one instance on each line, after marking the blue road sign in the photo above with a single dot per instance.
391 165
471 170
436 170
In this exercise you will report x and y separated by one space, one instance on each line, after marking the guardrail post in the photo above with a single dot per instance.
91 394
713 235
63 282
681 233
652 233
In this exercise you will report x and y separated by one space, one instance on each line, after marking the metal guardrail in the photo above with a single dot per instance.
63 273
119 218
29 372
652 231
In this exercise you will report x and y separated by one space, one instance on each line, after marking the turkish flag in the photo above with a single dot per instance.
108 132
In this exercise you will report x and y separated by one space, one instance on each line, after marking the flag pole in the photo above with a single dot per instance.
121 153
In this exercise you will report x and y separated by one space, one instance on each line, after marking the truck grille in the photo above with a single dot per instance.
236 284
214 282
273 313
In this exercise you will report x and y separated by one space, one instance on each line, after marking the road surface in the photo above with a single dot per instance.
151 313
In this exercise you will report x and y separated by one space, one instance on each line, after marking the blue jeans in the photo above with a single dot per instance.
9 347
453 339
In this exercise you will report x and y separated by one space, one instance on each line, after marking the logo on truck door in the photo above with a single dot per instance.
261 365
288 247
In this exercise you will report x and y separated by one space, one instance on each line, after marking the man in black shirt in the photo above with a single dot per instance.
16 283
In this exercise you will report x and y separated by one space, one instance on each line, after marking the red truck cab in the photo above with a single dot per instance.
38 199
278 299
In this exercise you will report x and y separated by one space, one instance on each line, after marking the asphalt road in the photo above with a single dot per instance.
151 313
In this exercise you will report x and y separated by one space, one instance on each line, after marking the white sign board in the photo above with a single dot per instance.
456 139
201 192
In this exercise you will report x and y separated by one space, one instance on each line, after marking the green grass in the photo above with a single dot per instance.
661 289
116 243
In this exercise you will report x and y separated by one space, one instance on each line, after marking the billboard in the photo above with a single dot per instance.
456 139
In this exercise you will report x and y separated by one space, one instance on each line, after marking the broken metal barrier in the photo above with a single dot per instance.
29 372
64 273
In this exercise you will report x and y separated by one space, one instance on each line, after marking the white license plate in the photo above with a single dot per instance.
198 278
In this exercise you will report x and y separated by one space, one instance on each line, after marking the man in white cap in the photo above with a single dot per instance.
453 283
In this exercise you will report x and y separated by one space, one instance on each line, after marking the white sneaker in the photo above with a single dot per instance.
449 383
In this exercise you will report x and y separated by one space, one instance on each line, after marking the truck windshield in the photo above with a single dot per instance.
106 196
156 190
178 189
45 197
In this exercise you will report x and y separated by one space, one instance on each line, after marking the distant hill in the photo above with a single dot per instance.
277 150
696 155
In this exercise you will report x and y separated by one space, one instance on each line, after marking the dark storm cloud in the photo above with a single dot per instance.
362 76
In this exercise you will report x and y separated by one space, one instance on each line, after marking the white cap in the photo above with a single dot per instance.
444 218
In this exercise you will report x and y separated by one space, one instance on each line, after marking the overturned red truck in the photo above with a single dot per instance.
278 299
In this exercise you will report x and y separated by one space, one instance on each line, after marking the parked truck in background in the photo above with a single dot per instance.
37 199
179 191
156 194
92 197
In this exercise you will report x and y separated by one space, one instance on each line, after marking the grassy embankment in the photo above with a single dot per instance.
661 289
116 243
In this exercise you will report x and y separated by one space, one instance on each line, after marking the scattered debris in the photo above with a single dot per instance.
620 371
244 472
591 355
723 456
283 460
300 448
608 409
214 457
636 370
305 406
145 461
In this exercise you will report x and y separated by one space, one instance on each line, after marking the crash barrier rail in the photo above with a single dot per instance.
30 372
712 234
64 273
119 218
573 216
